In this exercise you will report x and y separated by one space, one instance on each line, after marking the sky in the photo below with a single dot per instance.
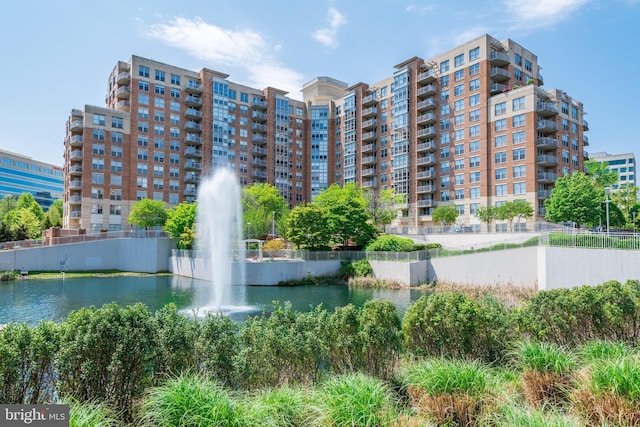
57 55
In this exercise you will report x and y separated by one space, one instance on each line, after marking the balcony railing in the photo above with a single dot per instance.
549 125
499 57
427 76
193 100
547 142
426 90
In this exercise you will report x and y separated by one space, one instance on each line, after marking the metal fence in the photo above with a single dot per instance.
600 240
307 255
77 238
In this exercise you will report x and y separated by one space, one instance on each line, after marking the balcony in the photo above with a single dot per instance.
498 88
257 173
192 139
191 152
123 105
426 118
368 124
426 90
193 87
259 127
75 154
258 138
546 177
190 192
426 189
426 203
540 79
76 126
368 135
75 184
259 115
426 132
123 78
546 109
371 111
76 199
546 142
427 76
191 178
585 124
426 146
75 141
499 58
259 162
75 214
368 160
259 151
193 101
585 155
426 104
585 140
192 165
368 183
546 160
193 114
75 169
368 148
369 100
193 126
368 171
541 212
543 194
123 92
259 104
425 175
546 126
499 74
426 160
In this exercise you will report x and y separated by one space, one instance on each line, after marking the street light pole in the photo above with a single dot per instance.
273 223
607 201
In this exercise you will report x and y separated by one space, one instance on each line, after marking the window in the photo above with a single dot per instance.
116 166
160 75
458 120
574 159
445 181
458 164
444 66
500 108
474 208
174 93
158 116
445 195
474 192
174 145
518 154
174 186
565 124
459 194
519 171
143 99
444 124
143 155
458 60
474 162
98 134
518 120
158 184
158 157
474 85
97 164
458 75
98 119
458 105
96 193
444 152
501 157
116 151
444 95
115 195
474 54
143 141
97 149
143 71
143 127
574 112
565 107
574 128
574 143
174 106
519 187
500 125
519 137
474 131
96 208
474 70
445 109
175 79
474 115
141 195
527 65
174 159
158 143
445 167
143 86
565 140
158 102
458 135
445 138
115 209
459 179
517 74
474 177
500 141
501 173
159 89
174 172
142 168
444 81
474 100
501 190
116 180
458 90
458 149
474 146
142 182
97 178
518 103
158 130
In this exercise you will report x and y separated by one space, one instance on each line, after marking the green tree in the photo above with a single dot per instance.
180 224
625 198
24 224
27 201
446 215
575 199
7 203
308 226
515 210
382 205
264 208
53 216
600 173
147 213
487 214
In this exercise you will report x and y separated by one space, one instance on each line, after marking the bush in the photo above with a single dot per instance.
359 268
381 336
176 338
274 245
217 347
391 243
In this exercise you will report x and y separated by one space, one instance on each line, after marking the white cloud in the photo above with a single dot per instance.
540 13
469 34
328 36
244 50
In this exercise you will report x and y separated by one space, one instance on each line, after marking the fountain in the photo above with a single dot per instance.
219 241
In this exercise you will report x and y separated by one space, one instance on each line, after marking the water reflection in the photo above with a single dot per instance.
33 300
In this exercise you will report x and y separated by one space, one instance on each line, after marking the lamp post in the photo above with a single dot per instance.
273 224
634 221
607 201
248 230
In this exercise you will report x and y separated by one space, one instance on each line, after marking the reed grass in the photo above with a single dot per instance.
599 350
91 414
279 407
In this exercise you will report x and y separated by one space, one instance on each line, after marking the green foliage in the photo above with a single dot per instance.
445 214
147 213
381 205
487 214
279 407
544 357
261 205
7 203
454 325
514 210
23 223
574 198
362 268
618 376
345 348
308 226
514 414
356 400
54 214
391 243
600 173
444 376
380 332
91 414
175 341
217 347
598 350
189 400
180 224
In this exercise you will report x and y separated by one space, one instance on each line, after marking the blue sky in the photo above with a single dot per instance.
58 55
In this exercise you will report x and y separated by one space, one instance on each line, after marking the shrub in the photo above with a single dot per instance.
176 338
345 349
380 334
189 401
356 400
362 268
391 243
274 245
217 347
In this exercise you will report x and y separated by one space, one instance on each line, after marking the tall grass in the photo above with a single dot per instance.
355 400
514 414
189 401
594 351
280 407
91 414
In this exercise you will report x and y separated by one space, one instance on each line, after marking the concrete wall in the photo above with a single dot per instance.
411 273
144 255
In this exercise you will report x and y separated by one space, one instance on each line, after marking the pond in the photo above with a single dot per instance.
32 300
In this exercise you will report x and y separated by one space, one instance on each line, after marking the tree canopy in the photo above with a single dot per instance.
381 205
180 224
147 213
487 214
515 210
447 215
262 206
575 199
308 226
